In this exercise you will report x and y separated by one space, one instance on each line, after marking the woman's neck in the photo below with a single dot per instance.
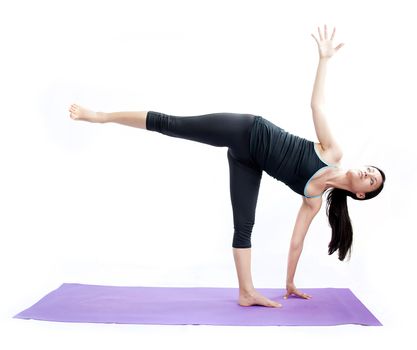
336 177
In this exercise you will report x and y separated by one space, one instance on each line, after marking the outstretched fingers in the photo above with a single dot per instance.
325 33
334 31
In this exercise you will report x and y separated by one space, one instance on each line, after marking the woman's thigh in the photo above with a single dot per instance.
230 130
245 181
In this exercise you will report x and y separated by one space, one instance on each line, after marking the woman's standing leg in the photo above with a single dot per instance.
245 180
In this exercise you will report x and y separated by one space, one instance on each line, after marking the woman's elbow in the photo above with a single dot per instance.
296 244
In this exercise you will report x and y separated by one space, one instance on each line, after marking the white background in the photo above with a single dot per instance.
113 205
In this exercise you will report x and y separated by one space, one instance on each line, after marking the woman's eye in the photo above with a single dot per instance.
369 169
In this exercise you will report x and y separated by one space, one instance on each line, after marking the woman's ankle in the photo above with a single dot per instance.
103 117
247 290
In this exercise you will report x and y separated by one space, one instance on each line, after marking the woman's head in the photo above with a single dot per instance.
367 182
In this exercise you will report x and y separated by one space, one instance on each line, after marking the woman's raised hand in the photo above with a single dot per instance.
325 46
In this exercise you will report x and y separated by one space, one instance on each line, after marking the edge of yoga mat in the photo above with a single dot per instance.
36 309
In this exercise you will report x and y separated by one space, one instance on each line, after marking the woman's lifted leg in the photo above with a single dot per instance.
135 119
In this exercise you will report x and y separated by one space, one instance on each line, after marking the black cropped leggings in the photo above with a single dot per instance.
230 130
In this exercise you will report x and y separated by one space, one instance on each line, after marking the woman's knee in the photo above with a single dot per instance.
242 236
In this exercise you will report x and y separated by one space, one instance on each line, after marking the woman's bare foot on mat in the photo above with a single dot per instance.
81 113
255 298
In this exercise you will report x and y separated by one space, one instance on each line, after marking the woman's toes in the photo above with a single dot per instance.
275 304
82 113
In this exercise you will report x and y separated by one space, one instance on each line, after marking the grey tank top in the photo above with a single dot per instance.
284 156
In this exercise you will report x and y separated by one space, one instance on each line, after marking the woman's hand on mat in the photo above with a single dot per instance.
325 46
292 290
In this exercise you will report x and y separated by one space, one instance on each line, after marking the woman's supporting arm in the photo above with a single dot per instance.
304 218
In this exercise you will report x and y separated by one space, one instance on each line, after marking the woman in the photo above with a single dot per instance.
255 145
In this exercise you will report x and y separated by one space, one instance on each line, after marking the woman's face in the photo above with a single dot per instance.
365 179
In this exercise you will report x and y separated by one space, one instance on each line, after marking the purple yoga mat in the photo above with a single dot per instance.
73 302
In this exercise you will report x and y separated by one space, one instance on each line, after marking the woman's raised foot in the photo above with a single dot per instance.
78 112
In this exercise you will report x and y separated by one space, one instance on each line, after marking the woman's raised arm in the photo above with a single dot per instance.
326 51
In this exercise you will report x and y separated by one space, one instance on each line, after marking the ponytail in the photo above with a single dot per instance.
338 214
339 220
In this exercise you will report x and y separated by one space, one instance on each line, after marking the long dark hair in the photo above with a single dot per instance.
337 212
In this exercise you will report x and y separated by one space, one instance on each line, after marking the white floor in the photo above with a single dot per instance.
31 334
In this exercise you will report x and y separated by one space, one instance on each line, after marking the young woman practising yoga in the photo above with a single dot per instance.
256 145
